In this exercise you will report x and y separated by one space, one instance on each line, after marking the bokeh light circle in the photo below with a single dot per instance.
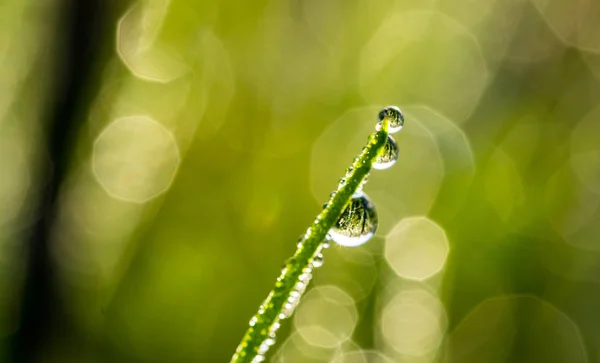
498 326
585 150
362 356
413 322
326 317
401 61
135 158
416 248
296 349
137 45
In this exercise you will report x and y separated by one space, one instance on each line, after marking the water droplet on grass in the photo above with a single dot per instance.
388 156
318 261
357 223
394 115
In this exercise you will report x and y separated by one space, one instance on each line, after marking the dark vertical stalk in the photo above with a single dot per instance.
73 55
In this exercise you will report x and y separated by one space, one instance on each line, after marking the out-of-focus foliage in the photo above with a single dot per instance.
219 128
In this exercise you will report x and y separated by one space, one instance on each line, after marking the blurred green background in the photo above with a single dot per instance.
210 133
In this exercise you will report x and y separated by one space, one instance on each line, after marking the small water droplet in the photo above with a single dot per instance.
283 272
301 287
259 358
253 321
318 261
394 115
276 325
357 223
288 308
359 191
264 348
388 156
305 278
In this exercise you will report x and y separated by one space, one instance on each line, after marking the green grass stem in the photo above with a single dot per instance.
266 321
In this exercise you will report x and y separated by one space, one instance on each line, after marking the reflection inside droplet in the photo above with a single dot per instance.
357 223
395 117
388 155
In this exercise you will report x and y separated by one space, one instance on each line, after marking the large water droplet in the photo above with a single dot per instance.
318 261
388 156
395 116
357 224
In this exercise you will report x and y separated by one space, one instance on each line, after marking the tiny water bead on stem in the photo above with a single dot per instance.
349 218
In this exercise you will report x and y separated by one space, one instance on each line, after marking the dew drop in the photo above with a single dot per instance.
365 180
288 308
300 241
301 287
318 261
273 331
357 223
305 278
395 116
388 156
264 348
